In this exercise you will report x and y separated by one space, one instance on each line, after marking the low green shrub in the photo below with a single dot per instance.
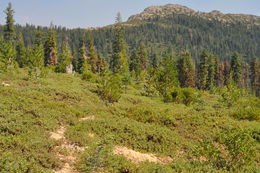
248 113
233 150
110 88
230 95
185 96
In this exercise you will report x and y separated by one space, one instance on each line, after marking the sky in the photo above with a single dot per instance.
93 13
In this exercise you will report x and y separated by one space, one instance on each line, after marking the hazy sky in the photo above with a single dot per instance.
90 13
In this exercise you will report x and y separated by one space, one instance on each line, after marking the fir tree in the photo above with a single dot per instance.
166 76
143 56
119 63
134 62
227 75
20 51
50 48
9 28
236 68
36 61
203 70
65 57
92 55
186 70
7 55
255 75
211 72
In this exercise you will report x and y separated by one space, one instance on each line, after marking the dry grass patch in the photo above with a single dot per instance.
138 157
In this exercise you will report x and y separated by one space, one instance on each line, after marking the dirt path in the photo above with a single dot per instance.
138 157
71 150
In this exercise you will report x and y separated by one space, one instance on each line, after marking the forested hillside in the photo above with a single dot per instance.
173 28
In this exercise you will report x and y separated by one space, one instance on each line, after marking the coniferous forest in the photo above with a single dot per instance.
181 88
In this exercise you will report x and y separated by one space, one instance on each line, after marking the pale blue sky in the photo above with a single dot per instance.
91 13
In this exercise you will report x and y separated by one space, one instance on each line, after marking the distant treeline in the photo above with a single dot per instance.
180 50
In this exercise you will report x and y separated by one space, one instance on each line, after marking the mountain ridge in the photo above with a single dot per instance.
170 9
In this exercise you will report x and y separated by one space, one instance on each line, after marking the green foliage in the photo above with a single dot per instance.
110 88
31 109
236 68
7 55
186 70
65 58
166 77
50 48
248 113
20 51
230 94
35 62
139 60
247 109
185 96
234 150
206 71
9 28
119 59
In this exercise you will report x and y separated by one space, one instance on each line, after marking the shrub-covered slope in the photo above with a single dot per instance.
205 136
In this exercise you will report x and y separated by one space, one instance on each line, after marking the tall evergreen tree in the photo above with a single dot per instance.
186 70
92 55
211 72
82 63
236 68
166 76
227 71
9 27
119 59
7 55
20 51
143 56
134 62
118 18
203 70
139 60
65 57
255 75
50 48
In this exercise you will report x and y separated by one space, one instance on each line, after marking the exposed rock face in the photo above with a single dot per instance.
170 9
69 69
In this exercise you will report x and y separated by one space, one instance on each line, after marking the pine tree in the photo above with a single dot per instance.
134 62
255 75
186 70
83 64
119 60
7 55
118 18
20 51
65 57
211 72
9 28
220 78
92 55
227 73
38 38
35 61
143 56
203 70
236 68
154 60
139 60
166 76
50 48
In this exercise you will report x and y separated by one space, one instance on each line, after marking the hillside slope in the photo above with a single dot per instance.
59 124
169 28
